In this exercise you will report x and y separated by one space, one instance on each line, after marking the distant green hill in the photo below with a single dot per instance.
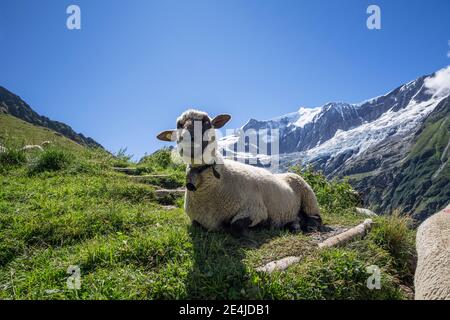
13 105
12 128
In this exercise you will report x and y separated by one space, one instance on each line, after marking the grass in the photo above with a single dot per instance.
393 235
12 156
67 206
12 128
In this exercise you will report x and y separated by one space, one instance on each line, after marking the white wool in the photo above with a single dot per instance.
432 277
32 147
244 191
191 114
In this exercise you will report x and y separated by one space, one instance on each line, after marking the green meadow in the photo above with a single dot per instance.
72 206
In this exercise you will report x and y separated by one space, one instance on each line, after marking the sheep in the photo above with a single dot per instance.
222 194
32 148
46 144
432 276
24 148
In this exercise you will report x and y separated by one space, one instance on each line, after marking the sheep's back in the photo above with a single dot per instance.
432 277
280 199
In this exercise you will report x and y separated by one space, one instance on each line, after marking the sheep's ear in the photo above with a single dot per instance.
220 120
168 135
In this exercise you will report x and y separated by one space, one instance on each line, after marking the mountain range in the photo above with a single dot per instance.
394 149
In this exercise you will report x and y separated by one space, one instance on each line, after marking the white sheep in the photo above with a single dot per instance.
225 194
32 148
46 143
432 277
3 149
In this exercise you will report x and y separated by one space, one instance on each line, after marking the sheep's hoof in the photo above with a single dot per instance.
294 227
310 223
239 228
197 225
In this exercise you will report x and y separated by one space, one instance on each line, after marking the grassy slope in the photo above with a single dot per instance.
12 128
428 162
128 246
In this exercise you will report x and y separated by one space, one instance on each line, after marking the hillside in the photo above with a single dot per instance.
62 208
12 128
13 105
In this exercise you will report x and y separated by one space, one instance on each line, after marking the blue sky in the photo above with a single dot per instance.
136 65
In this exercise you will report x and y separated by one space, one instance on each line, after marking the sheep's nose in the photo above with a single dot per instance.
191 187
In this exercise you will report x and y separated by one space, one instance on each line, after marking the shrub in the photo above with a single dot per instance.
50 160
170 172
331 195
122 159
161 160
13 156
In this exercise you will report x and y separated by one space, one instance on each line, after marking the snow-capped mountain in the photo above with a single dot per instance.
338 127
335 137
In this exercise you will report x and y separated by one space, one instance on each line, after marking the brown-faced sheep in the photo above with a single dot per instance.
432 277
225 194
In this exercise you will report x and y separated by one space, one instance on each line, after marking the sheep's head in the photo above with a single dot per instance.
195 136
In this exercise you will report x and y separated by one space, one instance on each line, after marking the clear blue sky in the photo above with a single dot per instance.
135 65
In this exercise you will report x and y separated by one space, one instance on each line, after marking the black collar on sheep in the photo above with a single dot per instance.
198 170
202 168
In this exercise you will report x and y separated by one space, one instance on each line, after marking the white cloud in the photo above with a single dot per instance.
439 85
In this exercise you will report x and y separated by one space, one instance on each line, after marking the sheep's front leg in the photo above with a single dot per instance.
240 227
294 227
310 223
198 225
249 216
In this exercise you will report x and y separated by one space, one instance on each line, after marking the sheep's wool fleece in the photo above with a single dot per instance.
244 191
432 278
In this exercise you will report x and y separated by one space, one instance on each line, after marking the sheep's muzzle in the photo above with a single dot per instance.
191 186
194 172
